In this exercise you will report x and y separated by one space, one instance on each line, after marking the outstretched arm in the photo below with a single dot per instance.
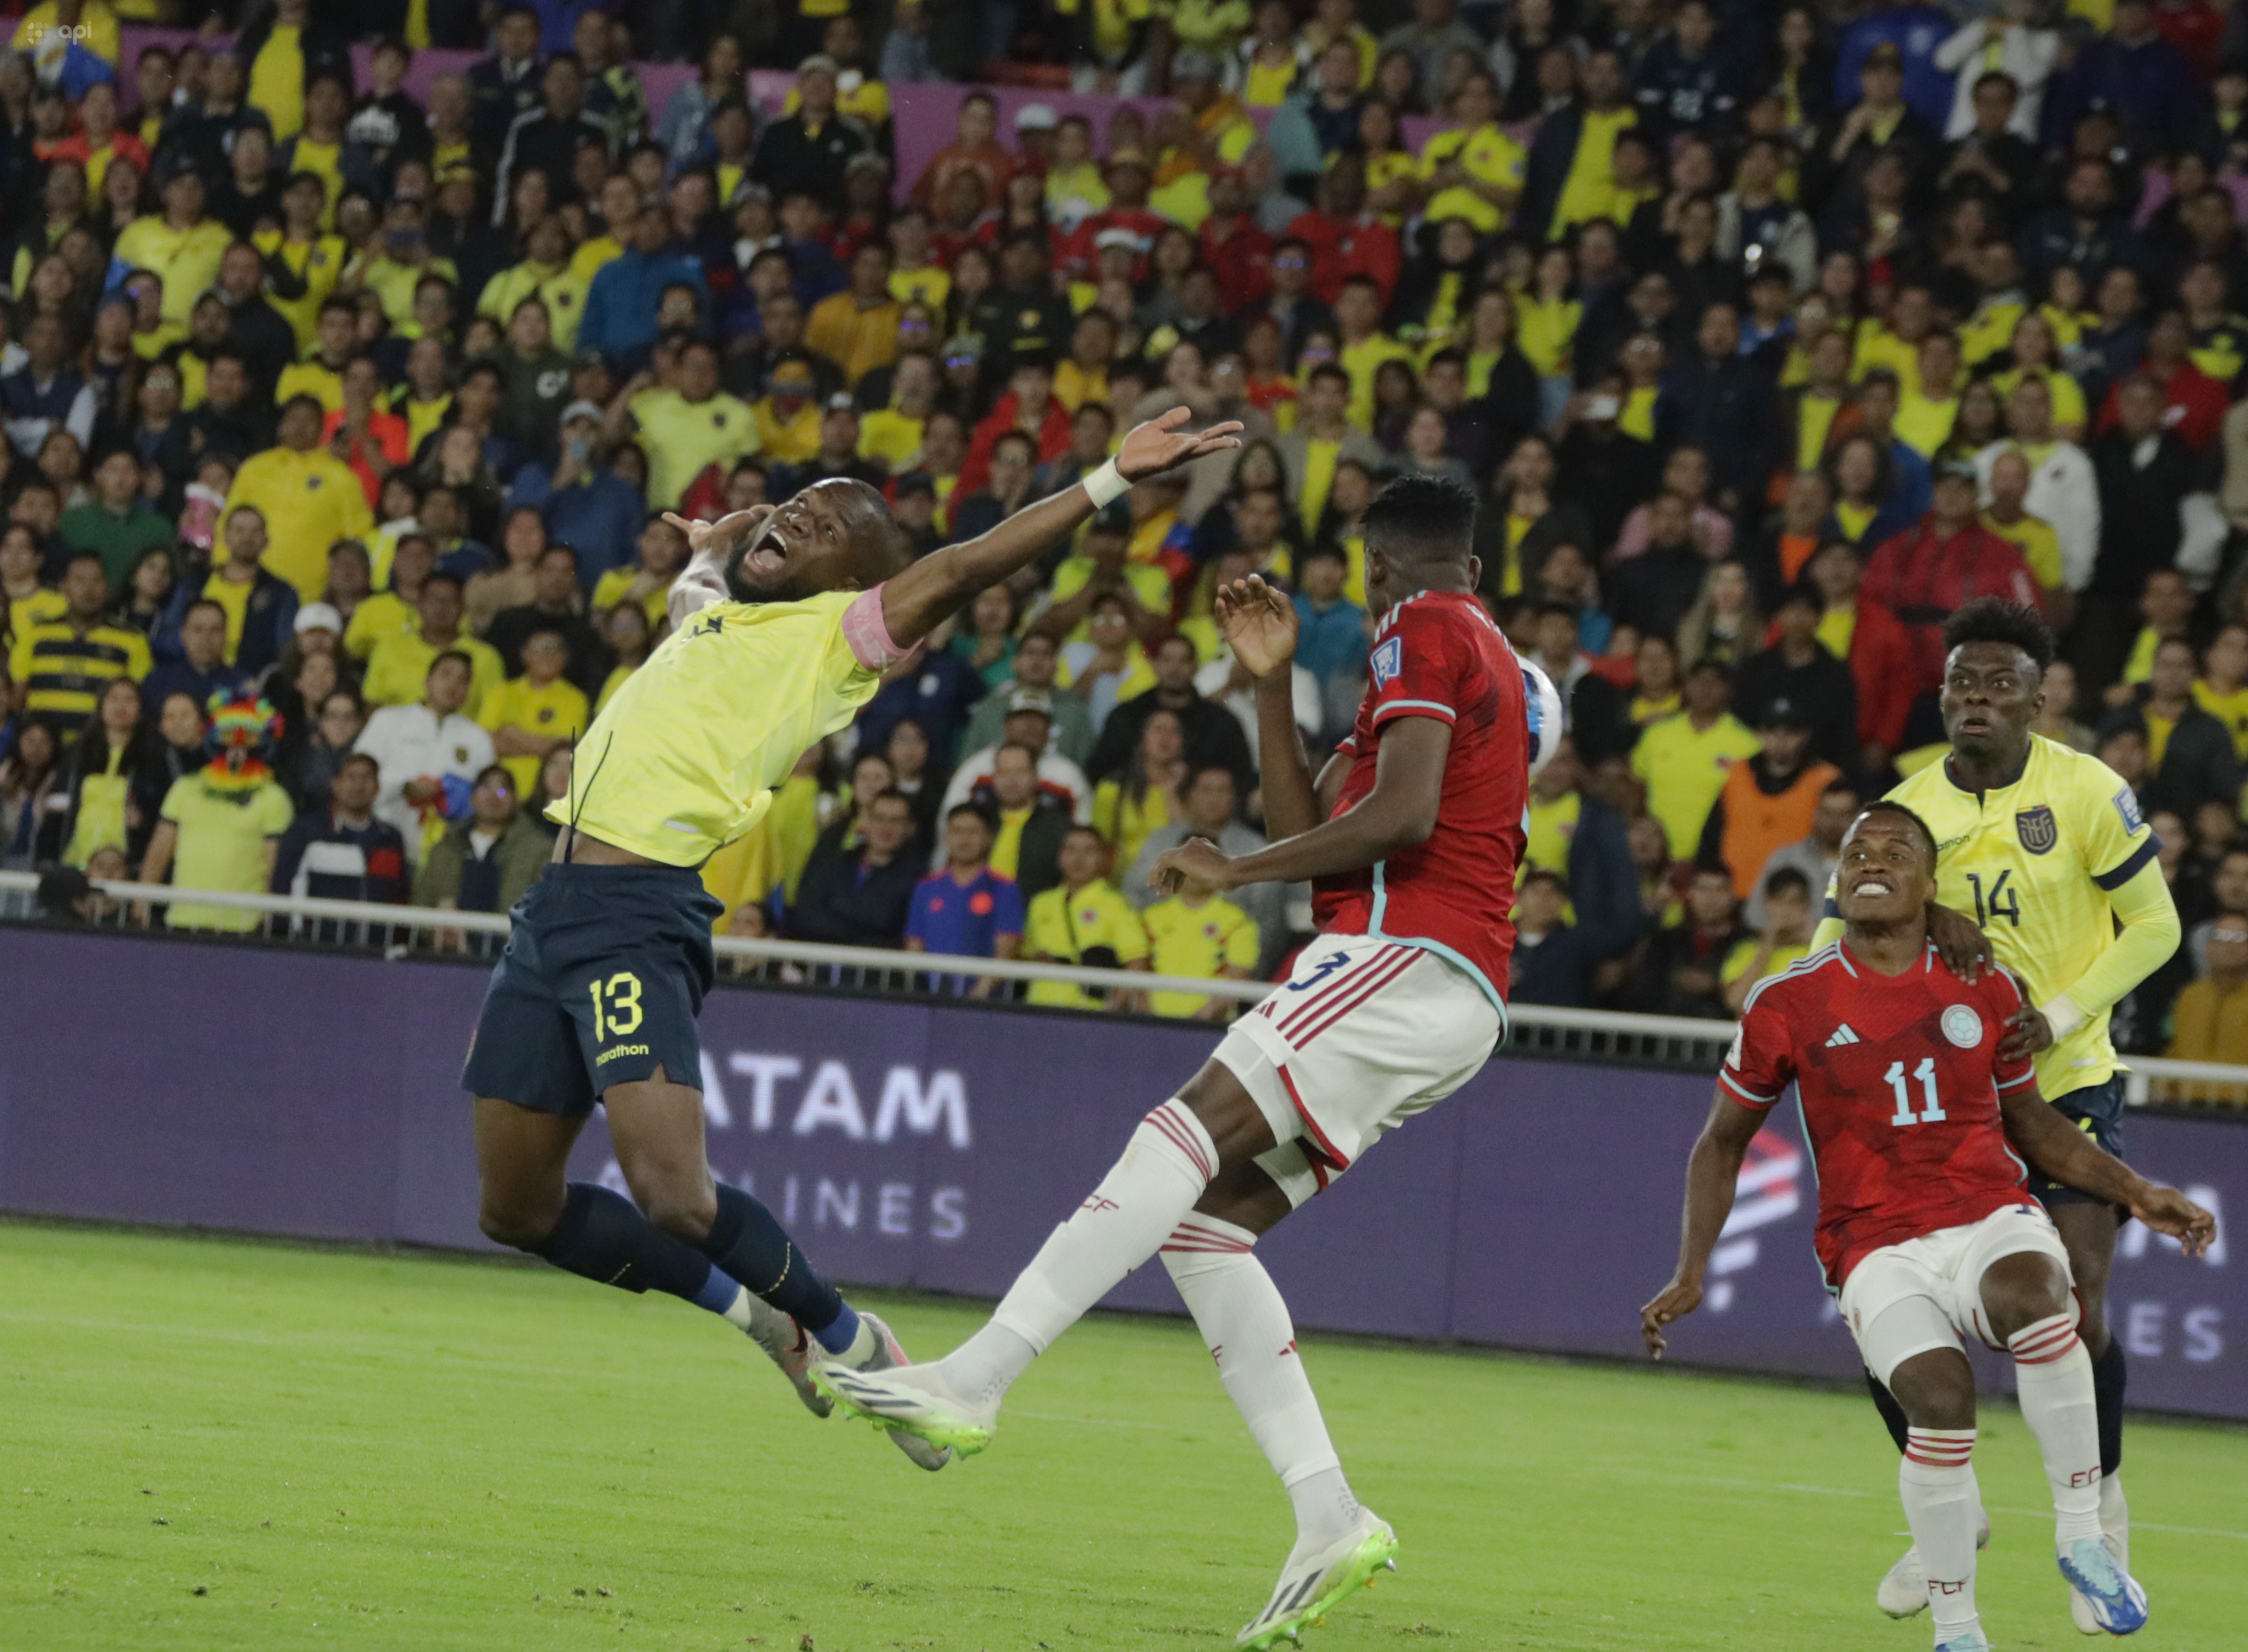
2058 1149
1712 1174
918 600
709 544
1401 811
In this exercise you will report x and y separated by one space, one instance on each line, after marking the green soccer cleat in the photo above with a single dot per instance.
912 1402
1311 1584
880 1354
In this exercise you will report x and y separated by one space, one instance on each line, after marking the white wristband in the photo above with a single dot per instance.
2061 1014
1106 485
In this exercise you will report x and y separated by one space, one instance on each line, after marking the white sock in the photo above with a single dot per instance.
1168 1163
1943 1506
2116 1517
1242 1316
2052 1381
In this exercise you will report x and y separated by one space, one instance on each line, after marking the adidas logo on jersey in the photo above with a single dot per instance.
1842 1035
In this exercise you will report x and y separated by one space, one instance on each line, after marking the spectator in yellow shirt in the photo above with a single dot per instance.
400 666
309 498
536 713
788 414
857 328
179 245
663 555
1084 920
1203 936
686 429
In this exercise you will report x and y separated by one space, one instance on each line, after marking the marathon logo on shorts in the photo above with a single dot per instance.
1387 660
2037 828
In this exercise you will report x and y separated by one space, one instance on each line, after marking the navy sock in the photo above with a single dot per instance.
604 1238
752 1246
2107 1379
1892 1413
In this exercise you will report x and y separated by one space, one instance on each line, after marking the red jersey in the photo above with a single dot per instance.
1899 1078
1921 576
1438 655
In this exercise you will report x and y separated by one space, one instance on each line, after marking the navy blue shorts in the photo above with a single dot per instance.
600 984
2098 1112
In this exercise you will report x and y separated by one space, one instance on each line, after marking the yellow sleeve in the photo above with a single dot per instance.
1243 944
488 676
493 715
19 656
173 806
377 685
1106 799
1737 961
359 635
274 811
1828 929
137 662
2148 941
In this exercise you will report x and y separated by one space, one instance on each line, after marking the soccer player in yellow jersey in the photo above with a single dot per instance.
783 625
2043 849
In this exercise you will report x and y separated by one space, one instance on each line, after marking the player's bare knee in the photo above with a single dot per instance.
2019 1291
682 1206
521 1224
1245 1196
1237 1125
1936 1389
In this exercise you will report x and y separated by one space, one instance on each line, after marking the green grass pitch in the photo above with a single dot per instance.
207 1445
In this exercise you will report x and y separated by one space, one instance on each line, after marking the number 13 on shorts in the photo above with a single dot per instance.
616 1005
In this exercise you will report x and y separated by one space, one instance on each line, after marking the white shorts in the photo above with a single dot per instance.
1362 1035
1904 1300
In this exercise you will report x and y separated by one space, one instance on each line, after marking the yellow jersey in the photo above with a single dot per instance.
400 666
1684 768
685 759
1199 941
310 500
683 437
2039 545
1066 925
1488 156
2228 707
556 708
2034 863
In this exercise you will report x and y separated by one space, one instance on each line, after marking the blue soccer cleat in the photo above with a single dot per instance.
2118 1604
1973 1640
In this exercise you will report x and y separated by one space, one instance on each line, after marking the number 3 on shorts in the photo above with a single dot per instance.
616 1005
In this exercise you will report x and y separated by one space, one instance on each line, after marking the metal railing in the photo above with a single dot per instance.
1606 1035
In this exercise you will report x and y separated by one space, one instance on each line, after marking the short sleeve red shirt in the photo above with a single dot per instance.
1438 654
1899 1078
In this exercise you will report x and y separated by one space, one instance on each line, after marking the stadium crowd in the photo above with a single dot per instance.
339 425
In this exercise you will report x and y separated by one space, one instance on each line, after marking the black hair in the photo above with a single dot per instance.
976 809
1329 370
1890 805
1419 519
1996 620
437 576
1785 879
1840 784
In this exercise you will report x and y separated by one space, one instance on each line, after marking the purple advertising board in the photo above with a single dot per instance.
932 1146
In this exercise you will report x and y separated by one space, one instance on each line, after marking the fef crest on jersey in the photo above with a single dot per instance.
2037 828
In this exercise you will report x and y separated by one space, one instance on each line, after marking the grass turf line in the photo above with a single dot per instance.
212 1444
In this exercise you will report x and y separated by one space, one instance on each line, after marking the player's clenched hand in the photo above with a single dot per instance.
1679 1298
2167 1210
1259 625
1959 941
2027 1032
1158 445
1197 861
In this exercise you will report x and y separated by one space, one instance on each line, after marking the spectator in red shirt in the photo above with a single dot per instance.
1234 244
2195 404
1029 406
1128 176
359 432
1948 560
1879 652
975 148
1345 238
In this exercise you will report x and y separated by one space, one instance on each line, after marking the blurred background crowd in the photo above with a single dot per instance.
349 357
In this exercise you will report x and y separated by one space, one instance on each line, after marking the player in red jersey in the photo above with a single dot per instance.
1926 1229
1410 837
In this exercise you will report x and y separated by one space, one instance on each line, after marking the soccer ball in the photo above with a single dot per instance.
1542 702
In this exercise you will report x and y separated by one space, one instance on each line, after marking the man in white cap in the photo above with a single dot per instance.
587 506
1035 124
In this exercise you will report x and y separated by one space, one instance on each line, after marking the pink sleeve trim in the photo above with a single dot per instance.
868 633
